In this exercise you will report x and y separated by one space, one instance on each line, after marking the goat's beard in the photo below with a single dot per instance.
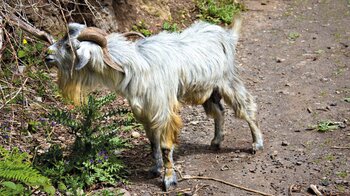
72 87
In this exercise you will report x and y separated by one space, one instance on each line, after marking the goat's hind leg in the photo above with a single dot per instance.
214 109
245 108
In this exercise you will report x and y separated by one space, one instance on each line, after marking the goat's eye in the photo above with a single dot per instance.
66 45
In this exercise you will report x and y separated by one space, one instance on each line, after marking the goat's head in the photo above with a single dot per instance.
79 55
76 49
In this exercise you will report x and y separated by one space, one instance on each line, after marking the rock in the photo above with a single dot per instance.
285 143
135 134
299 163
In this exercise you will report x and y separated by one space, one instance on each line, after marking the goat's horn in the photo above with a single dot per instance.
132 33
93 34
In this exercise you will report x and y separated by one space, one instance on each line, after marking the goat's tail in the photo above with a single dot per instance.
236 24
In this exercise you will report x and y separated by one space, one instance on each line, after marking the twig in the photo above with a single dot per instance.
340 147
70 42
224 182
174 191
19 90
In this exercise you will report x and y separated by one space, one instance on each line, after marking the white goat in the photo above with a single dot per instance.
156 75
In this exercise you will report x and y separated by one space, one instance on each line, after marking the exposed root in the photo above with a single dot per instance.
224 182
174 191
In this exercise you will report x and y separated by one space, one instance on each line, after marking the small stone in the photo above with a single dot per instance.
194 122
224 168
252 170
273 154
324 79
61 138
333 104
299 163
309 110
21 69
285 143
338 181
324 182
39 99
135 134
279 60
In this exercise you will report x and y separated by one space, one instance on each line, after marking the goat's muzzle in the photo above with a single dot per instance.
50 61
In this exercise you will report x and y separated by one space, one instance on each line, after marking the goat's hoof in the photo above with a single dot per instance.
215 146
216 143
169 181
257 147
154 172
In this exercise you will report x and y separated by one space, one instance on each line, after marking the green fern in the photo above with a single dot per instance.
15 166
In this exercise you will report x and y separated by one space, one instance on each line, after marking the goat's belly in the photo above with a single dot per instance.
197 97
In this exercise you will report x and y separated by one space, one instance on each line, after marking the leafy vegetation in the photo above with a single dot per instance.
171 27
142 28
293 36
347 99
221 11
94 155
325 126
18 176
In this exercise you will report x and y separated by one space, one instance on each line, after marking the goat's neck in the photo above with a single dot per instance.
135 67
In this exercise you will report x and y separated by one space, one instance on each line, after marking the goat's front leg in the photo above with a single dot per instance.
169 174
155 171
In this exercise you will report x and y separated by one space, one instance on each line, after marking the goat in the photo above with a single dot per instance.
157 75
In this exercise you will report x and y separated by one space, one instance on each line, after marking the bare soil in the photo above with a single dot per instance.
295 60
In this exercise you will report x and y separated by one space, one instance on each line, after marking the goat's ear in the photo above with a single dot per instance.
83 58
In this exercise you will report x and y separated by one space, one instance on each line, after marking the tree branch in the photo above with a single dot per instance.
15 21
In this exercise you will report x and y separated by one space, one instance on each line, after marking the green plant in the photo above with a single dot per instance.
167 26
94 154
325 126
142 28
293 36
342 174
18 177
221 11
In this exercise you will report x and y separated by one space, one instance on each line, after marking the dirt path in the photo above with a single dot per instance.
295 56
